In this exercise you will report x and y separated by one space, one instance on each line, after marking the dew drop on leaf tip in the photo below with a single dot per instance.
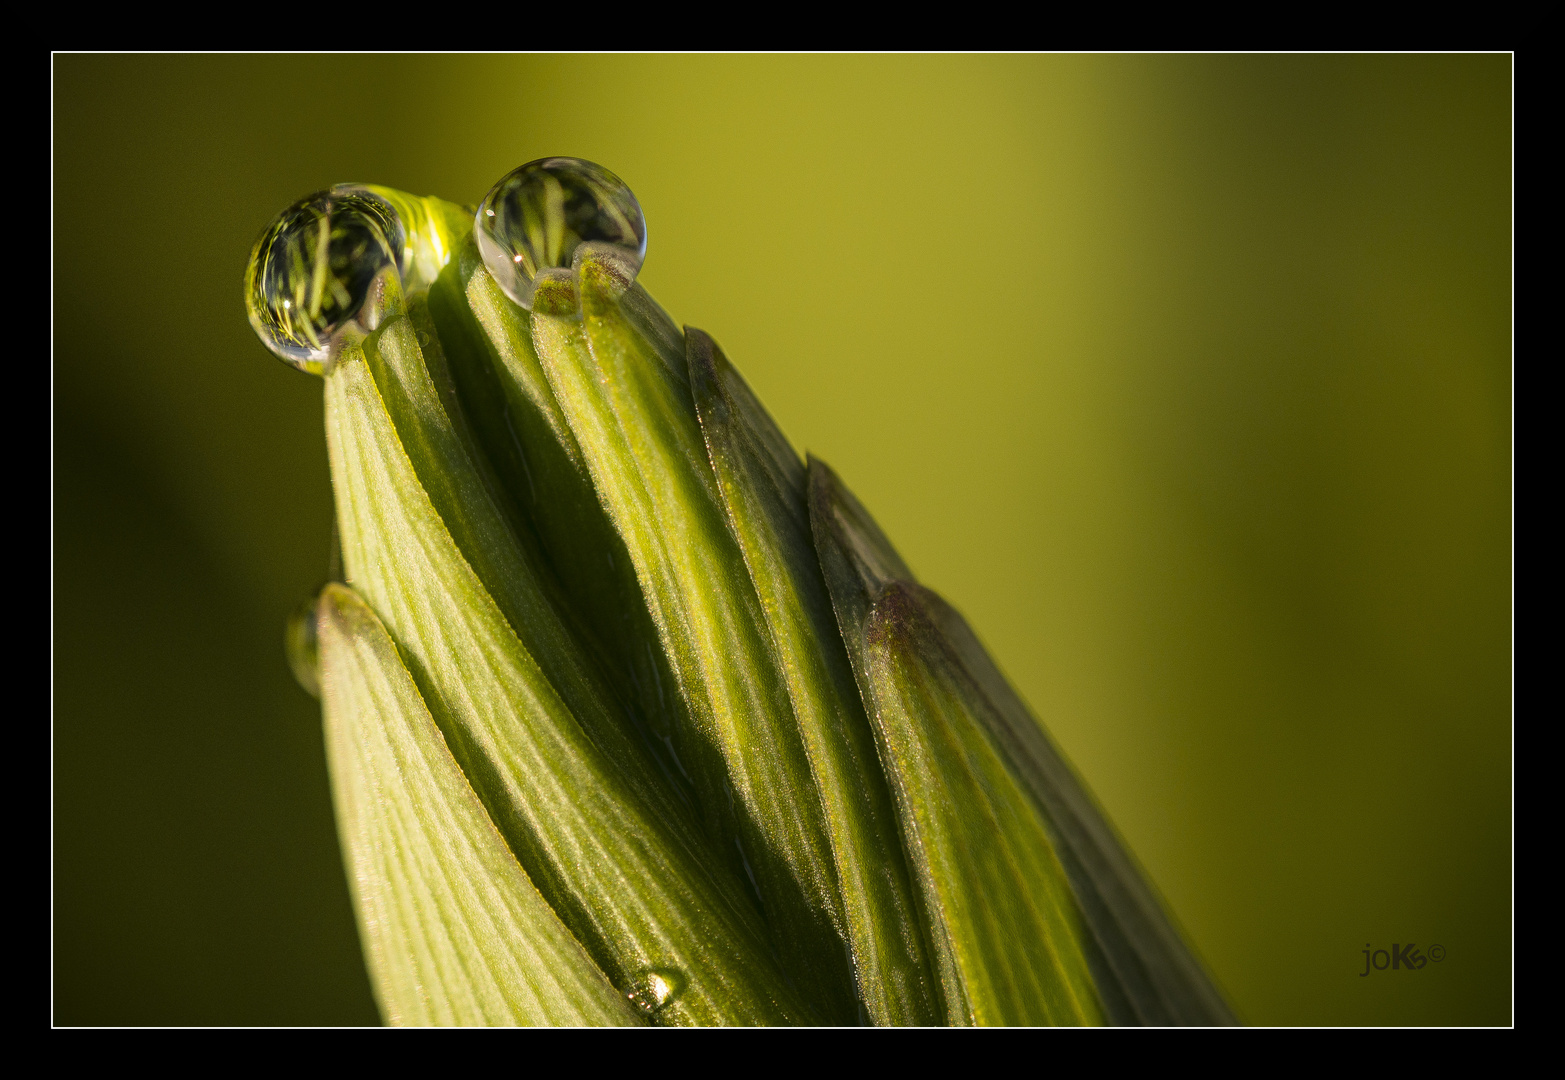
316 270
541 217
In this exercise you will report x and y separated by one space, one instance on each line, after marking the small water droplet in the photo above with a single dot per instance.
540 218
318 270
303 647
655 990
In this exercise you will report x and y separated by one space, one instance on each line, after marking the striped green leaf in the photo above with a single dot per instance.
633 716
453 930
544 485
625 395
549 750
1034 911
762 482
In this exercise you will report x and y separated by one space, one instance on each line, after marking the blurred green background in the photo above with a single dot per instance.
1186 378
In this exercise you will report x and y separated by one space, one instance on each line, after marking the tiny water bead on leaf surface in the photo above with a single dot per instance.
540 217
655 990
316 272
302 646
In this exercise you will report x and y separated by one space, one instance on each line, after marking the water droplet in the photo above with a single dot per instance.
319 270
655 990
541 218
303 647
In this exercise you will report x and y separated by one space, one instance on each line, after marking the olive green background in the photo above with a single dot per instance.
1187 379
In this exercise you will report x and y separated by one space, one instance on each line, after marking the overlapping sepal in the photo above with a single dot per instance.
1035 912
634 715
454 932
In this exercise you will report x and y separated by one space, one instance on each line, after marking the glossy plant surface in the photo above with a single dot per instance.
726 756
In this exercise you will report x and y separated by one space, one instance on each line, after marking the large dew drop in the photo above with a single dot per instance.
318 270
543 216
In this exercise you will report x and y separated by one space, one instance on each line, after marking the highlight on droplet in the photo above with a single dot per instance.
317 271
543 216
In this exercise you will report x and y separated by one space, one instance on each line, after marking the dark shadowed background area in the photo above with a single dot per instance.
1187 379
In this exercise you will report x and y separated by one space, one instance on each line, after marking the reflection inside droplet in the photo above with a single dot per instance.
540 216
655 990
317 270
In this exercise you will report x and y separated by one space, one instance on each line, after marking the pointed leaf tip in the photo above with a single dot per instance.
454 933
926 678
763 486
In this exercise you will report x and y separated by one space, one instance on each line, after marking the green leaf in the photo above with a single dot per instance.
546 486
1143 969
453 930
632 715
628 406
408 365
1035 912
567 784
763 486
